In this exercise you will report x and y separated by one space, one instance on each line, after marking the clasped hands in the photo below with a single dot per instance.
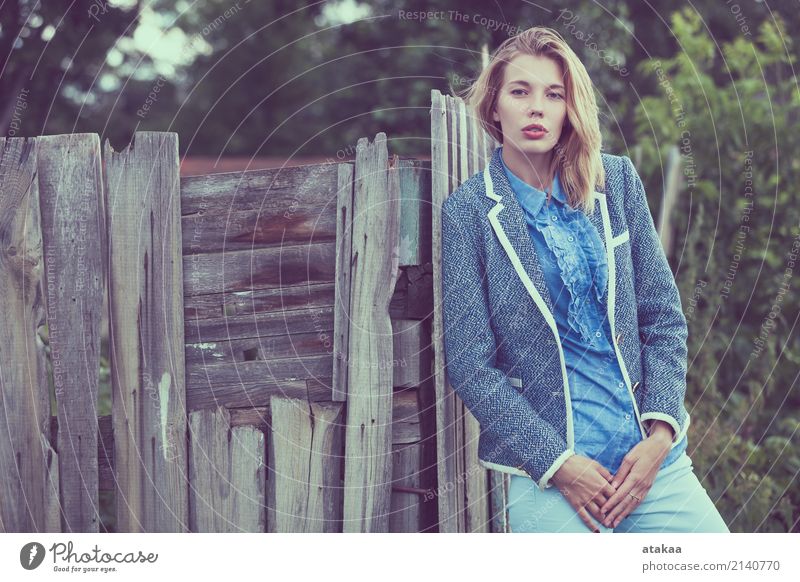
594 492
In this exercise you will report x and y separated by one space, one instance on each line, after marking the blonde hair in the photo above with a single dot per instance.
577 154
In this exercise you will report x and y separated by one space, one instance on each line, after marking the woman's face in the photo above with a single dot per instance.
532 93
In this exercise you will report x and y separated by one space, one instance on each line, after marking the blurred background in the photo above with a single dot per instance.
251 84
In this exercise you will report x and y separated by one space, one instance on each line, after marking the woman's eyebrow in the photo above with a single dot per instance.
526 84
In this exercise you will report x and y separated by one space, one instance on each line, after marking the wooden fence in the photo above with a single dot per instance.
274 344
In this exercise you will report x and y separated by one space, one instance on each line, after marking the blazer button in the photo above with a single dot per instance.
635 385
619 338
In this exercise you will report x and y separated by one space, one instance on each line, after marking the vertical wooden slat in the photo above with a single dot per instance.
475 143
458 406
498 494
406 515
147 334
304 467
414 214
72 216
227 470
374 271
29 479
341 316
449 507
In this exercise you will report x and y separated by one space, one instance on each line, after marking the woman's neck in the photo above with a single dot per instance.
533 169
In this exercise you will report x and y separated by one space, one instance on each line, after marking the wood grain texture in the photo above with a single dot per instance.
286 298
415 212
374 271
147 334
450 504
341 319
305 466
407 505
259 268
72 215
298 187
29 493
227 472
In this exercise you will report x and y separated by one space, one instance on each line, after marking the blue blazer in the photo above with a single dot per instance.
503 353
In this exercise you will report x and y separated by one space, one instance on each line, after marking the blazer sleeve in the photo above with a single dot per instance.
470 353
662 324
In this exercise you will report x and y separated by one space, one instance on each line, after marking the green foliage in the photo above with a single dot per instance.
732 111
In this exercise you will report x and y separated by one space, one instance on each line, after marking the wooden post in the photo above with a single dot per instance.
73 233
29 494
227 470
374 270
341 318
147 335
304 466
450 504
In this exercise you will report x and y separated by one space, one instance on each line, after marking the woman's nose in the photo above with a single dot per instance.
534 105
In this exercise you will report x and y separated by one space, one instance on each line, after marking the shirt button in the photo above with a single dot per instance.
554 217
571 238
597 333
627 417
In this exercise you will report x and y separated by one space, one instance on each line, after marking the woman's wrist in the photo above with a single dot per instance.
661 431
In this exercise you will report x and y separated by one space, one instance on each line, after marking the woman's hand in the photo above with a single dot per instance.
586 485
636 475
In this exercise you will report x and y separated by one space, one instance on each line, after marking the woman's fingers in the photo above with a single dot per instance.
587 519
594 510
619 496
622 472
624 508
605 473
600 498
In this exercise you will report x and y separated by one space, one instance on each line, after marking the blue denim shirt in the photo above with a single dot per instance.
575 267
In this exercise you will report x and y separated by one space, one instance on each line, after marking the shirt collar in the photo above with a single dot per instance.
532 199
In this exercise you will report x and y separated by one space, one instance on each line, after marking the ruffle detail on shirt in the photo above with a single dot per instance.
585 257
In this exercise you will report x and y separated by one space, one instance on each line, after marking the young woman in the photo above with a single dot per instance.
563 328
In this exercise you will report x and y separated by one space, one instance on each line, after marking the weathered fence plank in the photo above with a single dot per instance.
259 268
374 271
450 504
407 494
415 212
72 215
227 472
275 323
29 494
409 341
341 320
147 334
305 493
287 298
299 189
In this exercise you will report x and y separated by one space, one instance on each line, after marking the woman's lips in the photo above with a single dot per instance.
534 133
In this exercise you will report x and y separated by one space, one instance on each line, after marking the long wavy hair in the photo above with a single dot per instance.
576 156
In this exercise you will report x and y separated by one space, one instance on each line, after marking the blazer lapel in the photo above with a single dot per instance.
508 221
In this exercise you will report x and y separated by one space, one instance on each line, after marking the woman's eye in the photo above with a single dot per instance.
556 95
514 91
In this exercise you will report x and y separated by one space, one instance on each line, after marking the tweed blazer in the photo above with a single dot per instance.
503 353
